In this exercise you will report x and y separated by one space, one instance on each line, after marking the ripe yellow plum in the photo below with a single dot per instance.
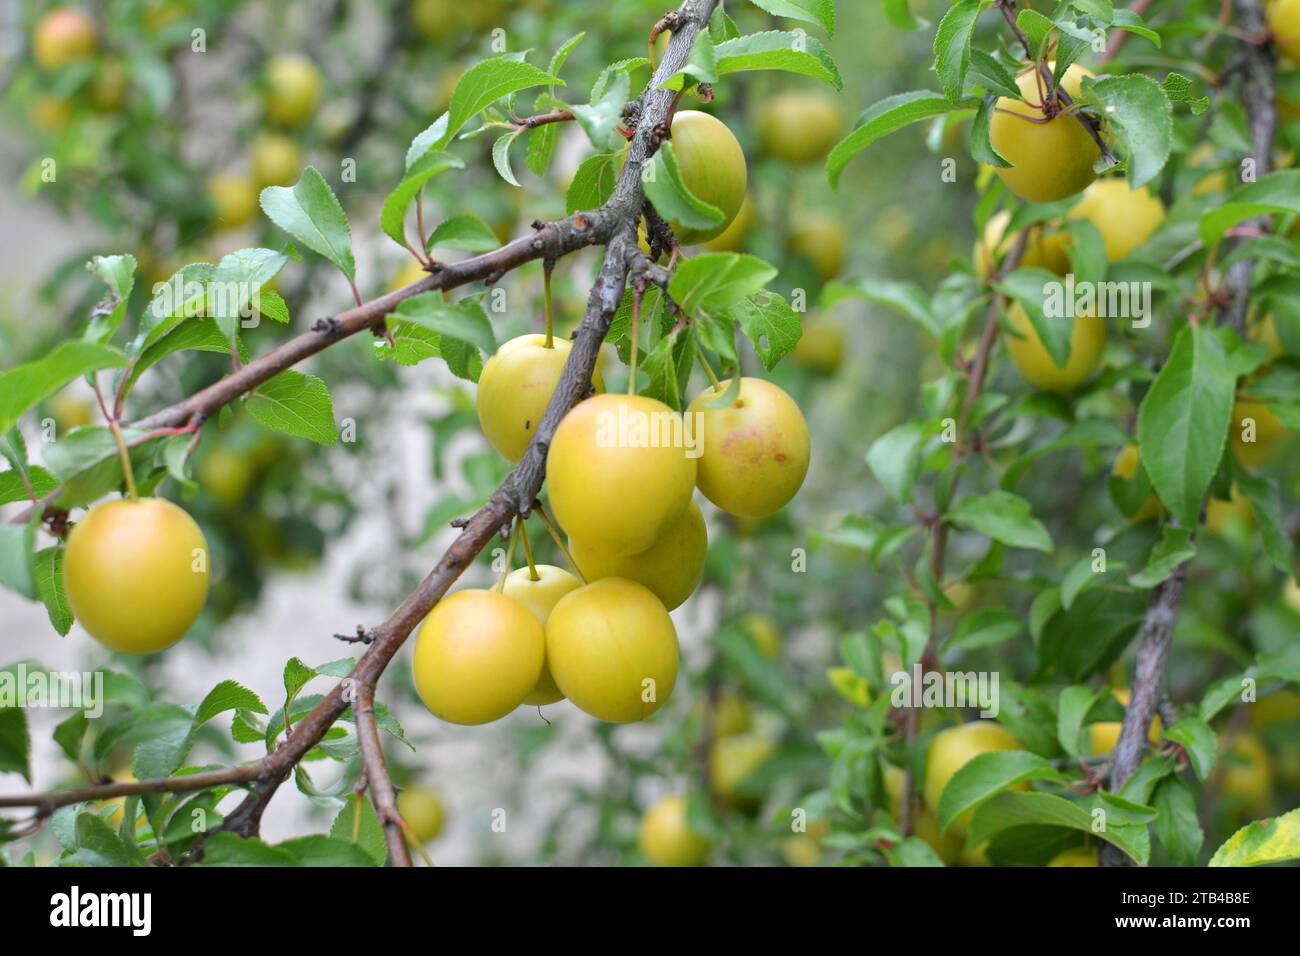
612 650
952 749
756 450
713 168
477 656
423 812
1036 366
1050 158
666 838
1045 248
276 160
1075 856
234 199
516 385
619 473
732 239
800 126
820 239
1284 22
1126 218
1256 432
732 761
1104 735
1126 466
821 346
292 88
671 567
136 574
540 596
63 35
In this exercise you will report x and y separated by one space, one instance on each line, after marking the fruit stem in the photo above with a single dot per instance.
708 370
510 555
637 293
559 541
528 551
547 268
124 455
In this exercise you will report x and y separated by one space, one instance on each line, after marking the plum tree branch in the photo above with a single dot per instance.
1148 686
615 225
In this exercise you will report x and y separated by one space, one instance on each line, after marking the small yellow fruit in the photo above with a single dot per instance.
515 387
732 761
1230 518
1265 333
801 850
1044 248
821 240
1126 466
61 36
136 574
731 715
292 88
540 596
799 126
1246 775
1036 366
1284 22
410 273
612 650
234 199
51 113
1291 595
1281 707
422 810
1103 736
607 445
1126 218
276 160
1075 856
952 749
1256 432
1050 158
925 825
666 838
821 346
732 239
853 687
712 166
109 88
71 412
477 656
227 474
671 567
755 451
763 631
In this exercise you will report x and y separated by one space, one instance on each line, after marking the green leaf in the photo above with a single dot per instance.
1132 22
1261 842
118 273
1263 496
12 487
1071 709
1174 547
47 570
17 542
228 695
1030 288
392 219
770 324
296 404
358 823
821 12
463 321
310 212
97 844
227 849
464 233
1138 111
237 282
1013 809
1183 421
889 115
707 284
895 458
989 73
900 15
907 298
988 774
478 88
296 676
318 850
1036 27
952 55
790 52
15 742
1177 826
199 335
23 386
592 184
984 628
183 296
1003 517
1199 742
1276 193
672 198
501 156
599 118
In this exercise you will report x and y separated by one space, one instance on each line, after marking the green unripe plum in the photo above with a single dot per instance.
63 35
952 749
666 838
800 126
1050 158
136 574
612 650
540 596
671 567
515 387
606 446
713 168
477 656
756 450
1035 363
292 90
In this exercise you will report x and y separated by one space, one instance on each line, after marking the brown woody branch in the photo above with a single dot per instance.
1257 64
615 225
